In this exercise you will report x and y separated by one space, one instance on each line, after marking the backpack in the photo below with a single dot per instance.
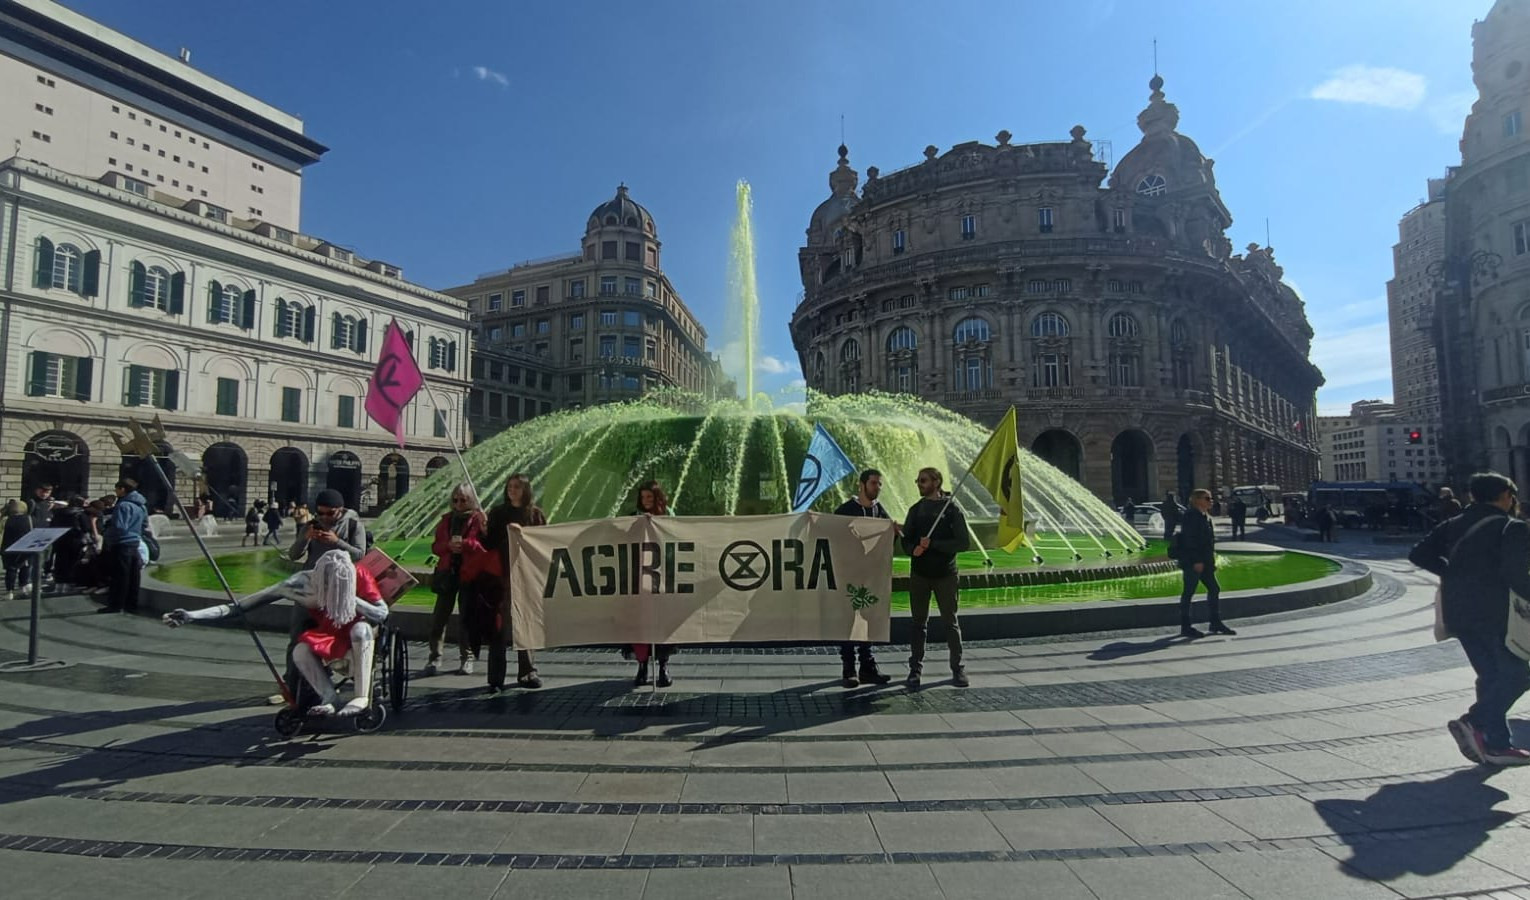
152 543
1173 550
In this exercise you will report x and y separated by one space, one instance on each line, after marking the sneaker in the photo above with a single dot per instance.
467 667
530 682
1219 628
276 700
1191 632
959 676
1506 756
1467 738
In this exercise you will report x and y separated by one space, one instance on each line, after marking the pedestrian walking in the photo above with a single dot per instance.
252 518
18 566
1237 513
459 535
1324 520
122 542
934 532
1447 507
864 504
273 519
1172 512
651 501
517 509
1196 552
1481 556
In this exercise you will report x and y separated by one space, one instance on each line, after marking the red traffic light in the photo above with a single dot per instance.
1415 436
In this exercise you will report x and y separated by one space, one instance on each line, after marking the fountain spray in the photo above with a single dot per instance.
744 286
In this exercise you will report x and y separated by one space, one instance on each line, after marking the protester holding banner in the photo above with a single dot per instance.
651 501
933 533
517 510
863 504
459 535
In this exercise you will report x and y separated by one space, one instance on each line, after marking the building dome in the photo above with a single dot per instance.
622 211
842 184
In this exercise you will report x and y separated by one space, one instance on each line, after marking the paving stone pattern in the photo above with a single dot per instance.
1305 757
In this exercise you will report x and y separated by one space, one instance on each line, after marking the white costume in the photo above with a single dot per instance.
329 592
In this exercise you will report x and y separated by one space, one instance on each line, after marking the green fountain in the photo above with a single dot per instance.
742 457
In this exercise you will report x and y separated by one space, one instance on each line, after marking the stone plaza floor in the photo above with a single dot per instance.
1304 758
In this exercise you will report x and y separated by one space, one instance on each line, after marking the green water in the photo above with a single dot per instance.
249 572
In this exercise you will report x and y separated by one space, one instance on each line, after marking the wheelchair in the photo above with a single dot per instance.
390 689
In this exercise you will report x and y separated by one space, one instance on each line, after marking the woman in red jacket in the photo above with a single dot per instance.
459 537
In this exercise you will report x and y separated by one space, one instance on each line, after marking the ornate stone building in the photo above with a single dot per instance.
1142 355
596 326
1483 282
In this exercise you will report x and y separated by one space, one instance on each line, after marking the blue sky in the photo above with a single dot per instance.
467 136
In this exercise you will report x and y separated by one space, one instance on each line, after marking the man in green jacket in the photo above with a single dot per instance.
934 531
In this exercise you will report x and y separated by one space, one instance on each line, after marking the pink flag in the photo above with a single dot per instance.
394 383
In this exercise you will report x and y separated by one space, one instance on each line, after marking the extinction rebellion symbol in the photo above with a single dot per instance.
807 485
744 565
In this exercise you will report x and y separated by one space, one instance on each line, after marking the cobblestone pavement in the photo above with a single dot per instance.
1306 757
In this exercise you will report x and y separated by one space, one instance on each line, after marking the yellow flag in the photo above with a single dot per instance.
997 468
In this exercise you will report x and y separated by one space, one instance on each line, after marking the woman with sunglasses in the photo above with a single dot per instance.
459 536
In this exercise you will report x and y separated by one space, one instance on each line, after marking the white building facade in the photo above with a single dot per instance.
1375 443
255 352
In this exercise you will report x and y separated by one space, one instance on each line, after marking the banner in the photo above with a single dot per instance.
701 580
997 468
394 382
822 468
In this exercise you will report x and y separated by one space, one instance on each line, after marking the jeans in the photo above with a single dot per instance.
18 568
453 594
126 567
1208 577
1501 678
851 650
944 588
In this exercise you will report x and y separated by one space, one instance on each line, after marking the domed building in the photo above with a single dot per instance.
600 325
1140 352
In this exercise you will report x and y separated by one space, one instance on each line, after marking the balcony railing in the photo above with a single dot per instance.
982 396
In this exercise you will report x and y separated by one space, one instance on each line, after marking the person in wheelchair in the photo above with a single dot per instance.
344 602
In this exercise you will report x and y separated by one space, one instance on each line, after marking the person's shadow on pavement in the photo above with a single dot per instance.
1459 804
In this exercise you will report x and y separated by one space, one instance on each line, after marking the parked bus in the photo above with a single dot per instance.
1351 501
1264 501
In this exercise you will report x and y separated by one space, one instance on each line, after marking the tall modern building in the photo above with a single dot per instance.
597 325
153 266
1416 259
1483 284
1143 355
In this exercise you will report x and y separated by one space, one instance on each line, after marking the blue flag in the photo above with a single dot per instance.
825 465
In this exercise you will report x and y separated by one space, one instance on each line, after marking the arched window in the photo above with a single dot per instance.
850 351
1179 333
156 288
1049 324
902 338
230 302
1123 325
66 267
973 329
1152 185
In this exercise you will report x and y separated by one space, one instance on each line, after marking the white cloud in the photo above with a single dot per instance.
770 365
484 73
1373 86
1355 356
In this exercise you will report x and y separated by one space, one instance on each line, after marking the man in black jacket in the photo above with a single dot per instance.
1481 555
1198 564
1172 512
934 531
864 504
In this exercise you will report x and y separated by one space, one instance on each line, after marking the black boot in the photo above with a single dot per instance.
870 674
847 676
641 678
663 680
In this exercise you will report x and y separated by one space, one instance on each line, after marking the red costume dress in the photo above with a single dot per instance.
330 640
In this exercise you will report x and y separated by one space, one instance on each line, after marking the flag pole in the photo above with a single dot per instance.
435 405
